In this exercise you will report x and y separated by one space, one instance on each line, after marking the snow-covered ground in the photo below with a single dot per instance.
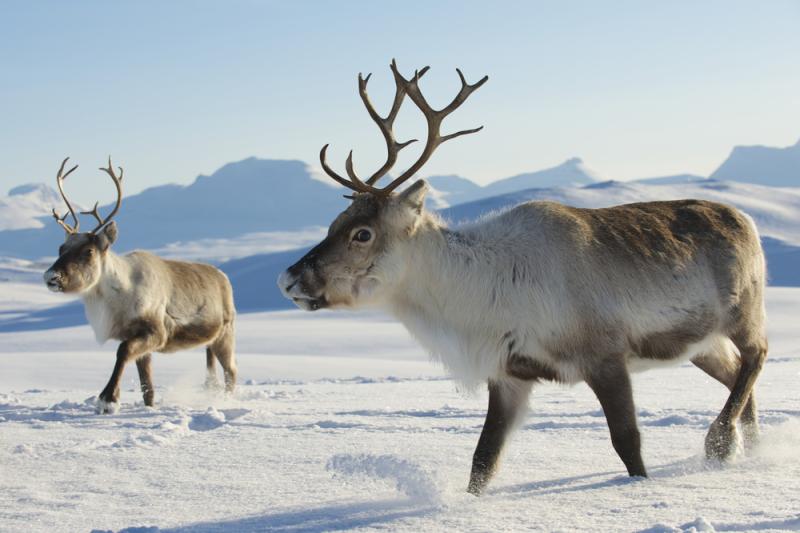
340 422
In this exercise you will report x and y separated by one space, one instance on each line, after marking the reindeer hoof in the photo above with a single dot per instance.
212 384
477 484
722 441
105 407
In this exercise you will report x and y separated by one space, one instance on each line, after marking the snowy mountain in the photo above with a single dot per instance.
779 167
25 206
571 172
248 196
776 211
253 215
450 190
244 198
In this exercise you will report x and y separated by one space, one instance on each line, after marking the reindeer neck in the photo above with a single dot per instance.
114 278
446 270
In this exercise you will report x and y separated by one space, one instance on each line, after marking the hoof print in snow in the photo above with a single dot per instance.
211 419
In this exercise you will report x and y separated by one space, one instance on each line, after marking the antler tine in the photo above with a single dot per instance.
348 165
118 184
62 223
95 213
60 177
434 119
386 124
357 185
463 93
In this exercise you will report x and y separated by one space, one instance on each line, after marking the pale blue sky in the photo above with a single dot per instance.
176 89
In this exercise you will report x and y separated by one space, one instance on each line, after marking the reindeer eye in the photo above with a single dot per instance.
362 235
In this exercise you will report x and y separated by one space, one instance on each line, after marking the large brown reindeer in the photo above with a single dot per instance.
546 292
148 303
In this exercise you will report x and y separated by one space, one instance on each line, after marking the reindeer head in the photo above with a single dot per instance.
360 261
81 257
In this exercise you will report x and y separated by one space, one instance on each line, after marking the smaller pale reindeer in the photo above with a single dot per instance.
148 303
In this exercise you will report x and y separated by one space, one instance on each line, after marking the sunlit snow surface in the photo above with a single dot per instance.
341 423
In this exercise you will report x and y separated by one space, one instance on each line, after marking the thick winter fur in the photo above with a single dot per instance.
149 304
549 292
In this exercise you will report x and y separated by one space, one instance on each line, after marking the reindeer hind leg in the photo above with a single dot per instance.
722 364
721 439
211 383
143 365
223 348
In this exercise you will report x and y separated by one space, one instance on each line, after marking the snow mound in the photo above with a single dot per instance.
211 419
697 525
408 477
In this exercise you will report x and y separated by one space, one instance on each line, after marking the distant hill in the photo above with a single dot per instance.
776 211
25 206
764 165
451 190
247 201
248 196
569 173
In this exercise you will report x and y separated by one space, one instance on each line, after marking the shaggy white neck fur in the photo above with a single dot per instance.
448 275
97 300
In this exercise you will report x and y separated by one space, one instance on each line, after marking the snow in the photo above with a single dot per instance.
341 423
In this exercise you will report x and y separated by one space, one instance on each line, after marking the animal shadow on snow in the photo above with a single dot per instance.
788 524
679 468
325 518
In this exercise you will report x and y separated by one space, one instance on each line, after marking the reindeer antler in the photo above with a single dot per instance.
118 183
60 177
433 117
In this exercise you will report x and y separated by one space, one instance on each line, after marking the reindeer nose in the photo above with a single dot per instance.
52 279
285 282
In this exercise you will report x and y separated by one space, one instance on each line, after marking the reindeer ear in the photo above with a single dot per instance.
109 235
414 196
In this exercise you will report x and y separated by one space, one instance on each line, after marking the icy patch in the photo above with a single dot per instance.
408 477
